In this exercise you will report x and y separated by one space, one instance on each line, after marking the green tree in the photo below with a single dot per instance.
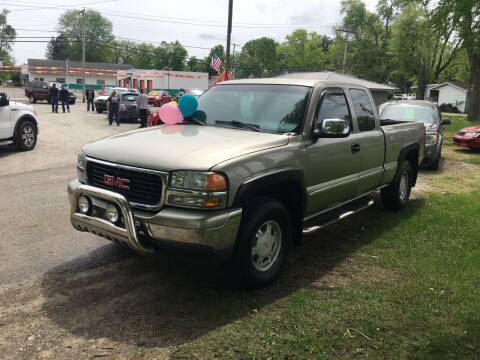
98 35
57 48
304 51
258 58
7 36
170 55
193 63
369 37
465 15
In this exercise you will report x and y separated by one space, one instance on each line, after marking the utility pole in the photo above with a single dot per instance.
233 59
345 50
83 54
229 33
66 66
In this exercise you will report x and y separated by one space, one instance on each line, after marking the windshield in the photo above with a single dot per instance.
278 108
129 97
405 112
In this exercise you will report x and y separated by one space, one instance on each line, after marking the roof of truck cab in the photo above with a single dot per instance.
290 81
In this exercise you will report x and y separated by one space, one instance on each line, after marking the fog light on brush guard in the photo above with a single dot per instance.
111 212
84 204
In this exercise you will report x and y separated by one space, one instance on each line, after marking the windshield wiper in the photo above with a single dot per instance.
239 123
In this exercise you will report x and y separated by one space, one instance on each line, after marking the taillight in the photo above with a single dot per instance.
122 106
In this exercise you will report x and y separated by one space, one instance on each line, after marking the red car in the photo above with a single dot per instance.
158 97
468 137
154 119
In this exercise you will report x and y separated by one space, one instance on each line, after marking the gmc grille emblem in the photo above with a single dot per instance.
116 182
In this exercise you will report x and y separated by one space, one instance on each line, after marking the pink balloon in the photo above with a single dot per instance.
170 114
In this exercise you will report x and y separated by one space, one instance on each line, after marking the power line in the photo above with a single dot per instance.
63 6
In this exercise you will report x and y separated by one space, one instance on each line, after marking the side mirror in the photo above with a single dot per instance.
333 128
445 121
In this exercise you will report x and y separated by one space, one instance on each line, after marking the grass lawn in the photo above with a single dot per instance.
380 285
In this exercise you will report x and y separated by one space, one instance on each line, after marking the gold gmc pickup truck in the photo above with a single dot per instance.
261 162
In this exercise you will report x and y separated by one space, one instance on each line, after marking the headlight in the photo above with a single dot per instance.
432 139
472 134
198 180
197 189
81 164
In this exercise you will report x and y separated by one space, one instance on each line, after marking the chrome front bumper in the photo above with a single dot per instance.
216 230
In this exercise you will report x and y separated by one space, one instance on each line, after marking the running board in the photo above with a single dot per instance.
339 216
6 142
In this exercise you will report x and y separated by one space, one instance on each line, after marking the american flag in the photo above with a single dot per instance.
215 63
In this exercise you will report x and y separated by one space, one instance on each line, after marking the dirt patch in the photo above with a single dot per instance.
454 174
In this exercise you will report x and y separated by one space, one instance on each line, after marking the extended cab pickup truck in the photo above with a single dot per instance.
260 162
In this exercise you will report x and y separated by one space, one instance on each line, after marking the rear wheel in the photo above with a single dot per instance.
32 99
263 241
396 195
26 136
99 110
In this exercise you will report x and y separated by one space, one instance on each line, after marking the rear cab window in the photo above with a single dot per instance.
363 109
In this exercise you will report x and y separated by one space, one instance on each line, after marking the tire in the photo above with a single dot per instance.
26 136
436 163
396 195
32 99
268 221
98 110
72 102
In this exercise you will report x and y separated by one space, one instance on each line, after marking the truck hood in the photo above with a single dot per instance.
176 147
20 106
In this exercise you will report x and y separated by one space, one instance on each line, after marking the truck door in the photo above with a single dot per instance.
370 142
6 130
332 166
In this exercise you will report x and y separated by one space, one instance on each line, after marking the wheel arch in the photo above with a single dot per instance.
284 185
411 153
22 118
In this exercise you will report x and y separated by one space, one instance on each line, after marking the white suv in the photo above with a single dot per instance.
18 124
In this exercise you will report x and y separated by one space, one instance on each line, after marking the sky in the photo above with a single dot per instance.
198 25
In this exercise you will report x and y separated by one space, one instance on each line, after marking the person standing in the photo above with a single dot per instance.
64 96
113 108
90 95
143 108
54 97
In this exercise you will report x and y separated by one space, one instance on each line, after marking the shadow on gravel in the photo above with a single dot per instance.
174 297
6 150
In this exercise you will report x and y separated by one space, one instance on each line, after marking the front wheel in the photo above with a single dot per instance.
26 137
32 99
263 241
396 195
436 163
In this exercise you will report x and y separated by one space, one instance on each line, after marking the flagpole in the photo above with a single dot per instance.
229 33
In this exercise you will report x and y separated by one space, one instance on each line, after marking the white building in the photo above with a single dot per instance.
171 81
98 75
448 93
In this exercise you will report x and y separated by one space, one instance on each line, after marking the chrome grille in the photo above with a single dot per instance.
146 186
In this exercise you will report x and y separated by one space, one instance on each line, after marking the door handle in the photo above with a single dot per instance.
355 148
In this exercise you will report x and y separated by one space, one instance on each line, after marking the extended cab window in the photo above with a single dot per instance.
333 106
363 109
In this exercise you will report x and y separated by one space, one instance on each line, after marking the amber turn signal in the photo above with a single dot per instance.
211 202
216 182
